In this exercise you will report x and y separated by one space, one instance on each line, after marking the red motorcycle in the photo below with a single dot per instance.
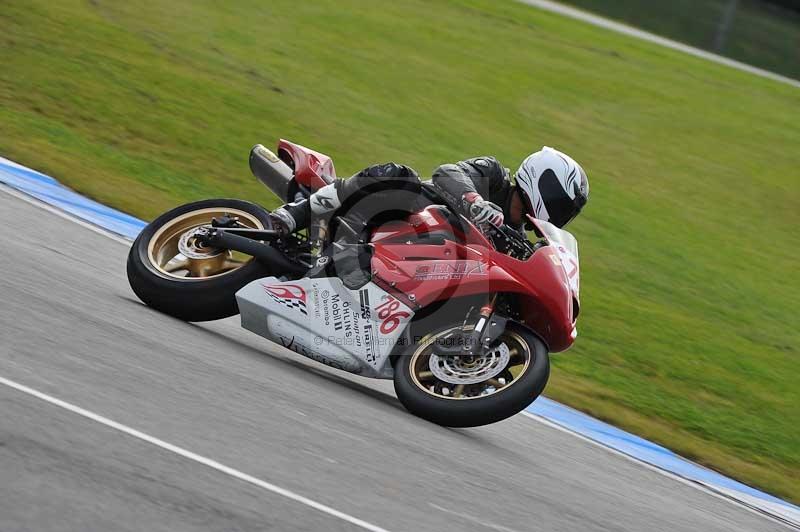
461 317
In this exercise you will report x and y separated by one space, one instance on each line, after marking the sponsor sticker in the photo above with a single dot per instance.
450 270
289 295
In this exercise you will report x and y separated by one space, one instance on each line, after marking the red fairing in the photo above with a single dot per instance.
444 269
312 169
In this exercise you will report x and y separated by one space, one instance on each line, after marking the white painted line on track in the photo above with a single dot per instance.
619 27
192 456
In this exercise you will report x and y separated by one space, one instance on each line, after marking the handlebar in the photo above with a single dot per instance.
510 241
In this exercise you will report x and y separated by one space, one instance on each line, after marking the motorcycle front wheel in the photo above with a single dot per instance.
170 271
461 391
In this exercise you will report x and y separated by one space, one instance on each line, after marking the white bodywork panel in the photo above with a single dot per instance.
567 248
352 330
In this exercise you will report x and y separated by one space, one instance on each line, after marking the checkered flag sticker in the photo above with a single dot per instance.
291 296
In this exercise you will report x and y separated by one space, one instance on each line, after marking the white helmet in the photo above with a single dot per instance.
553 186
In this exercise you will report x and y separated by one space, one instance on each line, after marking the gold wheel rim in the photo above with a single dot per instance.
424 378
164 250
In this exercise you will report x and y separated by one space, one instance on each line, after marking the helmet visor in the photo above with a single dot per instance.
561 208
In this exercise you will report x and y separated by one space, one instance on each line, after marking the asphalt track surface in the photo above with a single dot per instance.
299 446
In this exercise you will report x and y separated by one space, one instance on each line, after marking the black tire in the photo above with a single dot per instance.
476 411
200 299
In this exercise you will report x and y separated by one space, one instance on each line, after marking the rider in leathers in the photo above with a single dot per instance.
549 186
481 189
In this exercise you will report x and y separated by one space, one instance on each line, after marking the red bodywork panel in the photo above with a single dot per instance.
312 169
467 264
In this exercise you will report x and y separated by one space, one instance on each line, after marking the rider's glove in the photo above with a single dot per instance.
282 221
482 211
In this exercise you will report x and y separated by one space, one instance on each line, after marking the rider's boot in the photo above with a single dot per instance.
369 182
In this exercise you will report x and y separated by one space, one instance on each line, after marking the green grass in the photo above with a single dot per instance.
761 34
689 247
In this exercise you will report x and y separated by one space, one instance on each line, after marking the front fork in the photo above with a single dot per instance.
487 328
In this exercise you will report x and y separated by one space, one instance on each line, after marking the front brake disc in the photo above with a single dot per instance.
459 369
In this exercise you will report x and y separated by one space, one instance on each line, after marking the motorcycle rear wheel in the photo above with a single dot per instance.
171 272
452 394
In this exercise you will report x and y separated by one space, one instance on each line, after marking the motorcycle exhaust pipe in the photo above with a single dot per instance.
271 171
